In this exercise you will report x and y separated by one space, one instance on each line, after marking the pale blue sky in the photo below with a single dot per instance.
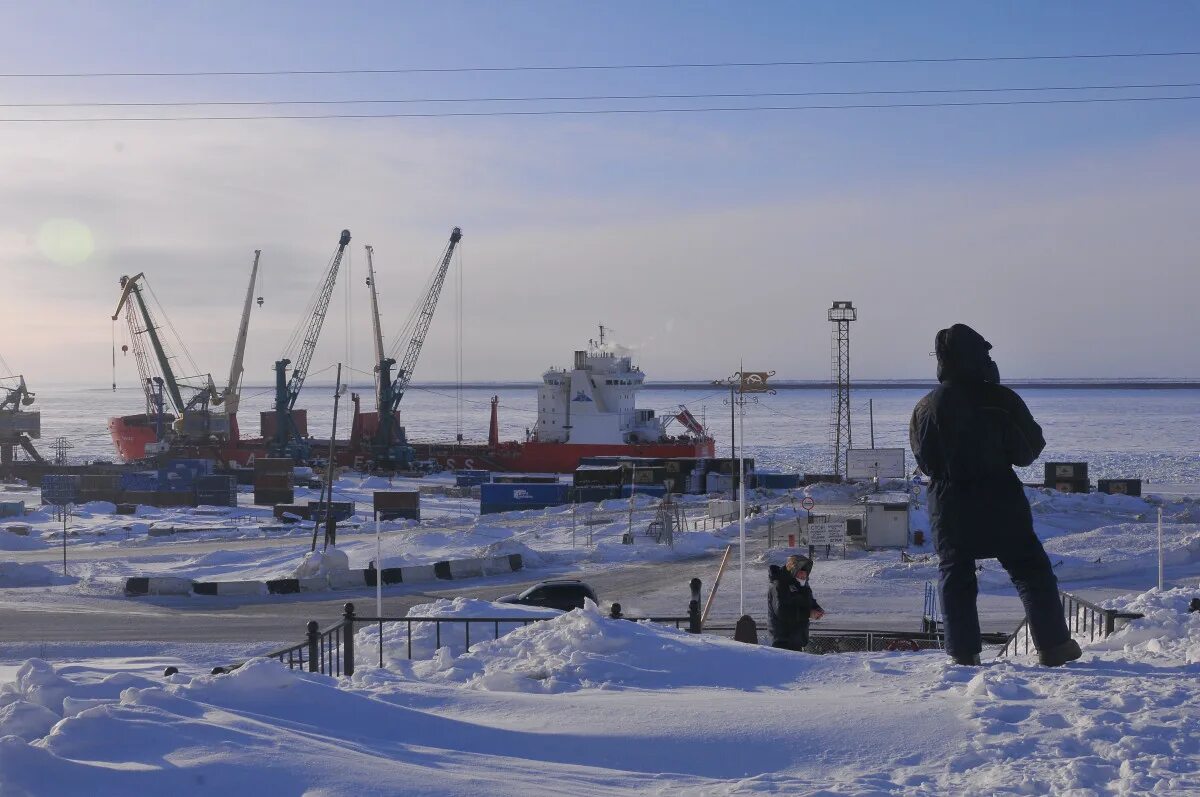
1065 232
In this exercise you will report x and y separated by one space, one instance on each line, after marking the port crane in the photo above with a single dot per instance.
18 427
193 418
390 447
231 395
287 441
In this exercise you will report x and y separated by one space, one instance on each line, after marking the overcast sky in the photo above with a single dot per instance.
1066 233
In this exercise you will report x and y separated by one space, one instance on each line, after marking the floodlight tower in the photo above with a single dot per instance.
841 314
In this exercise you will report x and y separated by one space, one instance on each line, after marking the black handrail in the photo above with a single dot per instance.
1083 617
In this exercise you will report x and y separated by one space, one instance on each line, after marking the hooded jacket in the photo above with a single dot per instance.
788 606
967 434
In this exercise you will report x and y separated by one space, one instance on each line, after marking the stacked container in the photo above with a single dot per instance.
12 508
219 490
273 481
471 478
100 487
342 510
60 489
1067 477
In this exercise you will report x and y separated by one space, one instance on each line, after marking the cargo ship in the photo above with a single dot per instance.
587 411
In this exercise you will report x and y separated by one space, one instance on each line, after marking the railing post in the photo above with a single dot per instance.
694 623
1110 621
348 639
314 639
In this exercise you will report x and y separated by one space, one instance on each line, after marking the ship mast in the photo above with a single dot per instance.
232 394
378 330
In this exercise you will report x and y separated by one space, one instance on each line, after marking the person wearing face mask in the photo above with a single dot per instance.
967 435
790 603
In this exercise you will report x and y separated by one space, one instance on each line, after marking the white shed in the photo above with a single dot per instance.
886 520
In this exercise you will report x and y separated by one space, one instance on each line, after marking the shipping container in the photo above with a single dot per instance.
397 505
596 493
1071 485
522 478
244 476
822 478
12 508
273 481
274 465
599 476
1120 486
1065 471
658 490
270 497
470 478
219 490
778 481
294 510
93 482
342 510
506 497
140 497
267 423
175 498
140 481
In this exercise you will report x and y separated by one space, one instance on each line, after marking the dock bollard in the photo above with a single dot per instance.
694 621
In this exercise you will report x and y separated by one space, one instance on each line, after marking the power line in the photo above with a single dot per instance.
606 111
594 97
608 67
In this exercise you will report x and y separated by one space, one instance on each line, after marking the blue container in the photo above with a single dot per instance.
778 481
198 467
509 497
139 482
12 508
657 490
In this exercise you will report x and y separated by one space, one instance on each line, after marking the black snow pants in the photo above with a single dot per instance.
1031 573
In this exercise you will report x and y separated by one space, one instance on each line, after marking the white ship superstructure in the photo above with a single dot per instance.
596 401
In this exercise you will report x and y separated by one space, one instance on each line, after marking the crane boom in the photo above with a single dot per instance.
232 394
423 321
390 392
309 345
377 329
286 439
129 287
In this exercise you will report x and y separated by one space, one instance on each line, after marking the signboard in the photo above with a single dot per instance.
827 533
59 490
870 463
808 502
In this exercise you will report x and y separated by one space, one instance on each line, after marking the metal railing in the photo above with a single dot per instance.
331 651
1083 617
494 623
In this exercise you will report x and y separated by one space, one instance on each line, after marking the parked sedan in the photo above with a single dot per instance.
564 594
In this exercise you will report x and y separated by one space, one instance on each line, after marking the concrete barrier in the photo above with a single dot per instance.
158 585
418 573
465 568
502 564
347 579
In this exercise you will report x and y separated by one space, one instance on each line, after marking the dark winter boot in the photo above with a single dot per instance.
1059 655
967 661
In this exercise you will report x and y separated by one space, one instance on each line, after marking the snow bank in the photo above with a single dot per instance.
1169 632
586 649
17 574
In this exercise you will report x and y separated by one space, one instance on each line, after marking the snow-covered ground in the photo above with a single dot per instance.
581 704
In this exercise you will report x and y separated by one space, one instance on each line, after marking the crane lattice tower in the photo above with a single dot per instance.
841 314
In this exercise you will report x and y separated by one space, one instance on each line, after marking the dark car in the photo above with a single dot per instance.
564 594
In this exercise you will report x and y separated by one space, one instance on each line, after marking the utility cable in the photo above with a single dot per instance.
606 111
597 97
614 67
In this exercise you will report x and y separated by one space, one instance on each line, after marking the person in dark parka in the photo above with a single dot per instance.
966 435
790 603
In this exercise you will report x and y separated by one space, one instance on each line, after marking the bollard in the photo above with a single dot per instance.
348 639
615 611
746 630
695 625
314 640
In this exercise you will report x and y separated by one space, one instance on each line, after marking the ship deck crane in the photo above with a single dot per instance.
287 441
390 447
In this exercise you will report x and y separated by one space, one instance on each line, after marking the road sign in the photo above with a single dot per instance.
827 533
808 502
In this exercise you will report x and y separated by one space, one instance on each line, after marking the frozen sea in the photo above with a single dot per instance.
1153 434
